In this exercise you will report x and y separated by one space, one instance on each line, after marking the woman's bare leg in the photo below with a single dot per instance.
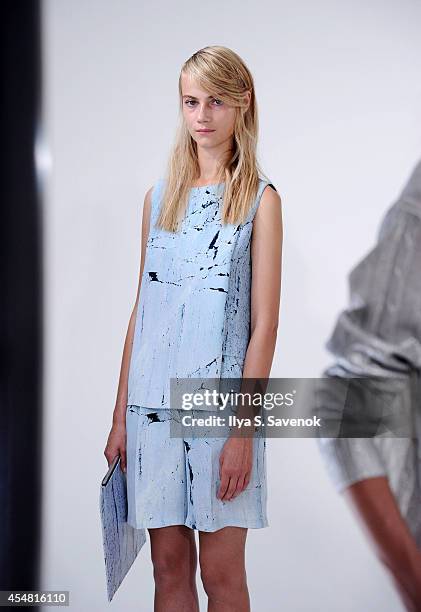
174 559
222 569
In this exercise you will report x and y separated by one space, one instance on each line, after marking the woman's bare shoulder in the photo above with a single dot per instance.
270 205
149 193
271 196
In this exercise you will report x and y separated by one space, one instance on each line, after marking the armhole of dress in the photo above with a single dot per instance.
260 191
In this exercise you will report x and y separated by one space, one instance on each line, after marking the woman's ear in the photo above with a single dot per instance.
247 99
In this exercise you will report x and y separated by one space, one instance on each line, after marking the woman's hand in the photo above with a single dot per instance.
235 464
116 444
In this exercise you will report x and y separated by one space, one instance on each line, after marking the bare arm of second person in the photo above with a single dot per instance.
374 503
116 443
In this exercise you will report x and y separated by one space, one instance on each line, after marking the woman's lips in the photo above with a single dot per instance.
205 131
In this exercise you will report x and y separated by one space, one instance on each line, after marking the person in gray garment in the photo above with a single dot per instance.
379 334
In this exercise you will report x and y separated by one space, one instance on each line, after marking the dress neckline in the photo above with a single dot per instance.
211 185
207 186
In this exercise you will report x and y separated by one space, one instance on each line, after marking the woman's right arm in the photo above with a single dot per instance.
116 443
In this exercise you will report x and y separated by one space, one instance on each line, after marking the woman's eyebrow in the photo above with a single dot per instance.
193 97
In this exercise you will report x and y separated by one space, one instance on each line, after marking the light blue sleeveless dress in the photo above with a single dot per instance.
192 321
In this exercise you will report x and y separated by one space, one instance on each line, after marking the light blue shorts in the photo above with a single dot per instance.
174 480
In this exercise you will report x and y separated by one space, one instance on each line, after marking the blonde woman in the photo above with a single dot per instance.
207 306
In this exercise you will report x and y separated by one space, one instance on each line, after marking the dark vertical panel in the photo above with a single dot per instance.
21 298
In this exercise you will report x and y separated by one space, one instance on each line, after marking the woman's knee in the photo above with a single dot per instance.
173 554
169 567
219 578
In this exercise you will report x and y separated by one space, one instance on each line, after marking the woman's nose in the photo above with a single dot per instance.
202 114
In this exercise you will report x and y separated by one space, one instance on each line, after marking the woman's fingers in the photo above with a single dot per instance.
247 480
123 460
223 486
233 489
234 469
242 483
109 455
232 485
116 445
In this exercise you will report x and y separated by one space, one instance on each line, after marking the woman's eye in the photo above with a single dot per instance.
193 102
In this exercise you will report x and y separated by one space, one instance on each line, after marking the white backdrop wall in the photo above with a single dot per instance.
339 98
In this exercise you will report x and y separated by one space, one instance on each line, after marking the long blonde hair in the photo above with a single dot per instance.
222 73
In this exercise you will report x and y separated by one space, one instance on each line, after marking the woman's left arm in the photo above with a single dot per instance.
266 254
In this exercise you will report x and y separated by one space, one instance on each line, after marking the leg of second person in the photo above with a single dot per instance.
174 559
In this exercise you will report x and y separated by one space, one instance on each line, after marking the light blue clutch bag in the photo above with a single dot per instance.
121 541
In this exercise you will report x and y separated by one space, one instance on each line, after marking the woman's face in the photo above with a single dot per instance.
202 111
